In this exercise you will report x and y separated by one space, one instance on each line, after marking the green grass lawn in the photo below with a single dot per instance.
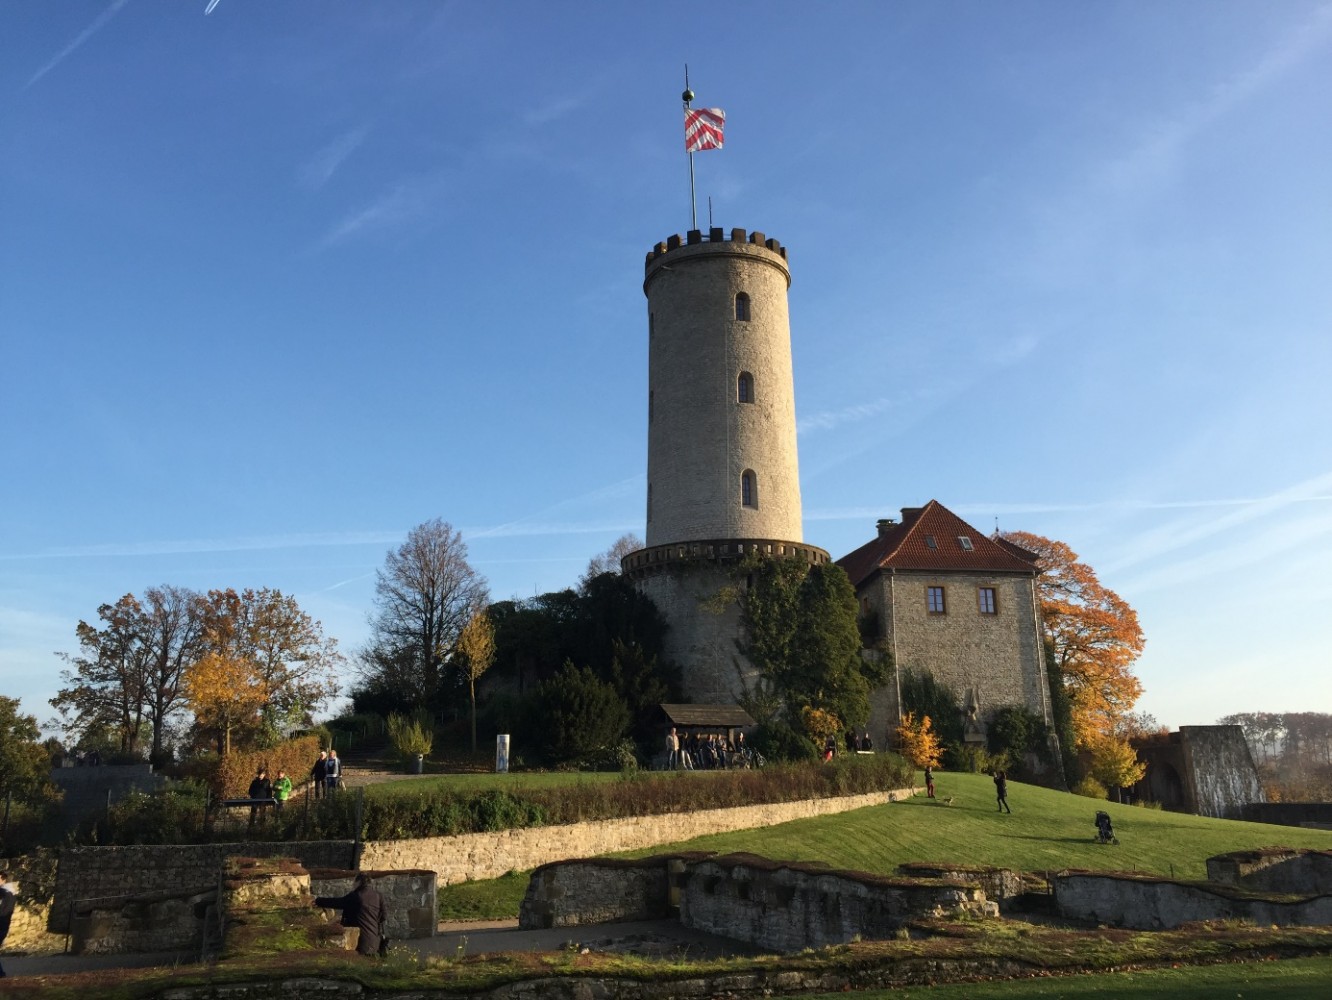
1047 831
1293 979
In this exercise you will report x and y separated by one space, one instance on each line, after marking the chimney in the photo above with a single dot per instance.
909 512
886 524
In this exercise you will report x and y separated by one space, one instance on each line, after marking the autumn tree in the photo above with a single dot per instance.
280 649
476 648
424 596
1093 633
917 741
108 683
224 692
1114 762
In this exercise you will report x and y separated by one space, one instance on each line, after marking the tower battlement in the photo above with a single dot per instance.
716 234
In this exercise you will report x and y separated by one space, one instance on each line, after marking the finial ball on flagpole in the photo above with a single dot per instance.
688 95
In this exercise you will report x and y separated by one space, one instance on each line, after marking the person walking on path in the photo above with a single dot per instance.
319 773
333 772
281 789
929 781
7 903
1001 790
364 909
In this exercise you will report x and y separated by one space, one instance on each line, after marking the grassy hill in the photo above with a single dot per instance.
1047 831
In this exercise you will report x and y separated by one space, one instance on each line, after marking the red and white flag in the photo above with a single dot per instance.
703 128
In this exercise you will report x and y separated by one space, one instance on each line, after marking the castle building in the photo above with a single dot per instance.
946 600
723 479
723 488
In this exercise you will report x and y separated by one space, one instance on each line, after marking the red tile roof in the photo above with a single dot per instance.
907 546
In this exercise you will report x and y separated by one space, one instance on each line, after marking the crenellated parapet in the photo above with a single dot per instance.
716 241
654 558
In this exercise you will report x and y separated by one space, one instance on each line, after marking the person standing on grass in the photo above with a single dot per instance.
319 773
672 750
1001 790
281 789
929 781
333 772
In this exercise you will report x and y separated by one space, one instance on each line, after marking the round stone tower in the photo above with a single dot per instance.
723 479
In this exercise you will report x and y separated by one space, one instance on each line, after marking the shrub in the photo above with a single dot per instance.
411 738
173 815
1090 788
975 759
229 777
578 713
779 742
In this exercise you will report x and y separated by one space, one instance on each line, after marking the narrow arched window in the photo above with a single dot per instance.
742 306
745 388
748 488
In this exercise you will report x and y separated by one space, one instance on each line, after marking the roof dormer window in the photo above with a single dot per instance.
930 543
965 542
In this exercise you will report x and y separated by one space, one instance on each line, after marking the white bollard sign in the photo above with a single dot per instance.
502 753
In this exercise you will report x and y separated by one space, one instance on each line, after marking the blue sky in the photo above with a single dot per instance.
282 280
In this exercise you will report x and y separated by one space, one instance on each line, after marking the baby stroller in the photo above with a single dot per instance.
1105 833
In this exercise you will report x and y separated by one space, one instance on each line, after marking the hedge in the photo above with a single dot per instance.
229 777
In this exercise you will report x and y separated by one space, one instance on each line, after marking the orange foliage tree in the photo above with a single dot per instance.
918 742
223 693
1094 633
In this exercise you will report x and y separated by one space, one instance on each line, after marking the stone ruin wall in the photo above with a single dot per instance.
1274 869
86 874
1139 902
174 920
778 906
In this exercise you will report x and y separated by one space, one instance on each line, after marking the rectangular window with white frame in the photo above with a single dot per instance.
986 597
934 601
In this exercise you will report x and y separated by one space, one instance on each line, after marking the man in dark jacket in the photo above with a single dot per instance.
362 908
319 773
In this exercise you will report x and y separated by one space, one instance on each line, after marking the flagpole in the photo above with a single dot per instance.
688 96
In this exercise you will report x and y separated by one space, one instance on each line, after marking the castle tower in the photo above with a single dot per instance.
723 478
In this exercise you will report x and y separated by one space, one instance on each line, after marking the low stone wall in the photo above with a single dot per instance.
163 921
776 905
490 855
1274 869
88 874
788 907
409 897
569 893
1144 902
999 884
1310 815
28 933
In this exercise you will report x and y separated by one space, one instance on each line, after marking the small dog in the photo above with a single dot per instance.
948 801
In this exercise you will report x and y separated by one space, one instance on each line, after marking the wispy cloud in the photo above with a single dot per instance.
1253 506
97 24
914 400
202 545
540 523
552 110
316 171
406 201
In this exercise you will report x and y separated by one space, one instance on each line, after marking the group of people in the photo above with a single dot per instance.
326 775
696 752
325 778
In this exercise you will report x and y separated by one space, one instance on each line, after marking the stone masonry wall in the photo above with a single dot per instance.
490 855
409 896
999 655
149 922
1148 903
788 907
1274 869
1220 770
87 873
571 893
